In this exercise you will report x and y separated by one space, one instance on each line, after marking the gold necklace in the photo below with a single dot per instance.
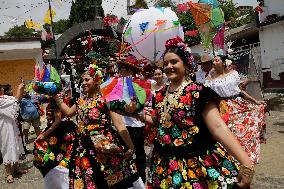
170 101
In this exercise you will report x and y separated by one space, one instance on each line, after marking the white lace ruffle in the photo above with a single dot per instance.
226 86
10 141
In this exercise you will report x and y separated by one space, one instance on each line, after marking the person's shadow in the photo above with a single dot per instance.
1 159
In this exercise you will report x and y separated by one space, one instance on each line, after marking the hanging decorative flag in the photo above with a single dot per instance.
191 33
201 13
160 22
143 26
162 9
182 7
217 16
47 18
128 31
214 3
176 22
32 25
219 38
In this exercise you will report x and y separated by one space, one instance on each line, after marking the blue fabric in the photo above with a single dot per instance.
28 109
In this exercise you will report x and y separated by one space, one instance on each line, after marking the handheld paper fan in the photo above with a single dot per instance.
119 92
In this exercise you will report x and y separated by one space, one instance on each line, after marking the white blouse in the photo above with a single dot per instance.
226 86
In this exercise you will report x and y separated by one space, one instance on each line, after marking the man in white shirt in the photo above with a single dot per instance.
134 126
205 67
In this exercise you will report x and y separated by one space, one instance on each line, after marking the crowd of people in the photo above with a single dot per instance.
205 131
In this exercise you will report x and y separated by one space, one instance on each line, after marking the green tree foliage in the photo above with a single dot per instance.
84 10
60 26
187 21
19 32
235 18
140 4
165 3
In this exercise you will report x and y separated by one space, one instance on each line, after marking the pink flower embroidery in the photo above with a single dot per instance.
91 185
115 161
89 171
199 185
167 139
94 113
173 165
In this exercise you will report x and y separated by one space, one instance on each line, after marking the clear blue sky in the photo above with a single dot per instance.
15 12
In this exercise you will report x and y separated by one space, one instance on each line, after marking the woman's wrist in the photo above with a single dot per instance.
247 171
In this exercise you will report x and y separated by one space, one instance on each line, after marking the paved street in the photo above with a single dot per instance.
269 171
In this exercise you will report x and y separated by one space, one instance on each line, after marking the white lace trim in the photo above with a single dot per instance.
226 86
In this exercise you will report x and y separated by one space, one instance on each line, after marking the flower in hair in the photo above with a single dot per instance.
175 42
228 62
95 72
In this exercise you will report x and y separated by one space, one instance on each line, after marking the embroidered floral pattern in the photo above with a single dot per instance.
56 149
185 155
94 120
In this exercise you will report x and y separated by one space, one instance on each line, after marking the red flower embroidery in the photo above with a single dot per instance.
85 164
208 161
159 97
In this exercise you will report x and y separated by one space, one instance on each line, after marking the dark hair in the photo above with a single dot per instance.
158 68
223 57
6 88
178 51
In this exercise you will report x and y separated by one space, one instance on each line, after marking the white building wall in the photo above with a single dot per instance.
272 48
271 7
274 7
20 45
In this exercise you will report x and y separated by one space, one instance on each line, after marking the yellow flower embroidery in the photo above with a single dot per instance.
51 156
159 170
63 163
164 184
78 184
191 174
213 185
186 185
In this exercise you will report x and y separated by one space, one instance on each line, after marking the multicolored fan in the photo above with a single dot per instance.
48 81
121 91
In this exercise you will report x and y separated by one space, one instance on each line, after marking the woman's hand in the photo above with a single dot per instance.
245 176
131 108
129 154
259 102
40 138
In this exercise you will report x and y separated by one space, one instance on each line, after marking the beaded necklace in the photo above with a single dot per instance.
170 101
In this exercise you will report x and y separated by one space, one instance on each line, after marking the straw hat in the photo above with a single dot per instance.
206 58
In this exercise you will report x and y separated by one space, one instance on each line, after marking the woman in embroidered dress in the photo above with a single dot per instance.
100 158
53 147
244 118
188 125
10 141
